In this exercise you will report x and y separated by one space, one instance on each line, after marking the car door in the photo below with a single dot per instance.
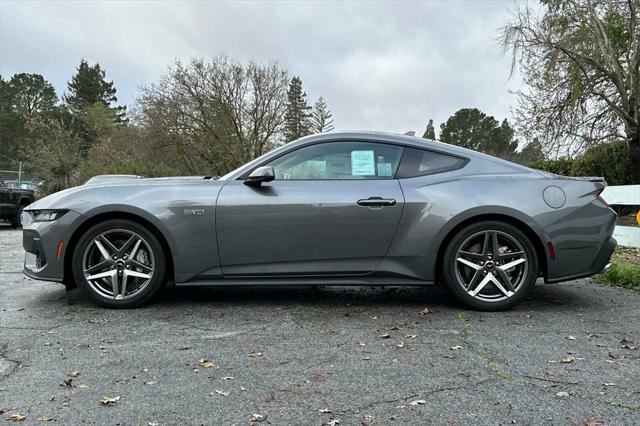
333 208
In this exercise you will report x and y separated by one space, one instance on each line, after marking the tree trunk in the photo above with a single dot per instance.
634 154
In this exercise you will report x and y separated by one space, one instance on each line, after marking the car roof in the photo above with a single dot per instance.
384 137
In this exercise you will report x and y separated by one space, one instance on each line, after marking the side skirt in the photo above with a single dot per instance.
355 281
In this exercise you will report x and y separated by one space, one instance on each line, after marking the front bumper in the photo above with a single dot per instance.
40 241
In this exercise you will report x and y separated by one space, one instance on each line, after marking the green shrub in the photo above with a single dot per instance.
561 166
610 160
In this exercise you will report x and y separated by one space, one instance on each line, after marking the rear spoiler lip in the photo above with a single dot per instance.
591 178
595 179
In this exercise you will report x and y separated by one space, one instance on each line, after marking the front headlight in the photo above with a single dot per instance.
44 215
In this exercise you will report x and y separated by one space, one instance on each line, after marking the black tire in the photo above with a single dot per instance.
16 221
452 276
155 283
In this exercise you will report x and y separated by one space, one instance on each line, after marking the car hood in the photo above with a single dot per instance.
72 197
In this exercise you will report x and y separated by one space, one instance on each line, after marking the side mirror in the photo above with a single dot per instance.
259 175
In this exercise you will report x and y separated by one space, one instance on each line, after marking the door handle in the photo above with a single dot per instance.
377 202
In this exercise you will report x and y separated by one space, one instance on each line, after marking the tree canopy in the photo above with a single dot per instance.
213 116
321 117
430 132
30 94
580 60
298 115
89 87
473 129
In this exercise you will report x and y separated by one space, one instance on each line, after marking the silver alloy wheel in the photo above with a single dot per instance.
118 264
491 265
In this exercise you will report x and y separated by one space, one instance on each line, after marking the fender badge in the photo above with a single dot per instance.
194 212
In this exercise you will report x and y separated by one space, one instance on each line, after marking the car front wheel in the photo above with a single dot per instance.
490 265
119 264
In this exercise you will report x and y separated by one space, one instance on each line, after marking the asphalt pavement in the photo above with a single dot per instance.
310 356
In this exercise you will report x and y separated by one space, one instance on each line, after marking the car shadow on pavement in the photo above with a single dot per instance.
551 297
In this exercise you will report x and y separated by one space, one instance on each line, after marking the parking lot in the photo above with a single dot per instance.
325 355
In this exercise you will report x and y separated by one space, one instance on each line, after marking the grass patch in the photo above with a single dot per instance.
624 272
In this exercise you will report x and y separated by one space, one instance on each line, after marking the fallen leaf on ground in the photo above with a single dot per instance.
257 417
17 417
418 402
627 344
568 359
110 400
425 311
73 373
318 377
255 353
455 348
65 401
400 345
205 363
570 337
562 394
223 392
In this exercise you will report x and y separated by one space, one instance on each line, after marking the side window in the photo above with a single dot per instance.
339 161
418 162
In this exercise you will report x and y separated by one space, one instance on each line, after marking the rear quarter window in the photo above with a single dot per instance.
419 162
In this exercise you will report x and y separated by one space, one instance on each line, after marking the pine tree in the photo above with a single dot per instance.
297 116
430 132
321 117
89 87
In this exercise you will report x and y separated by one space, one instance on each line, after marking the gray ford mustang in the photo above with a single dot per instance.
338 208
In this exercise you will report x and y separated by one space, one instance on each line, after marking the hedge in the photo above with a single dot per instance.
609 160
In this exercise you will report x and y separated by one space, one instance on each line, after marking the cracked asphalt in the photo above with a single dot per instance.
325 355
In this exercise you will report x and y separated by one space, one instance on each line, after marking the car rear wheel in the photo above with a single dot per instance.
490 265
119 264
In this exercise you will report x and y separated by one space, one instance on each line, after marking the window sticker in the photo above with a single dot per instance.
362 163
384 169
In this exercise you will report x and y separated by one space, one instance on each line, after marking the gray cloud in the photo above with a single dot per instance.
380 66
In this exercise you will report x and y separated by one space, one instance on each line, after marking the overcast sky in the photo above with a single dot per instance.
380 66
